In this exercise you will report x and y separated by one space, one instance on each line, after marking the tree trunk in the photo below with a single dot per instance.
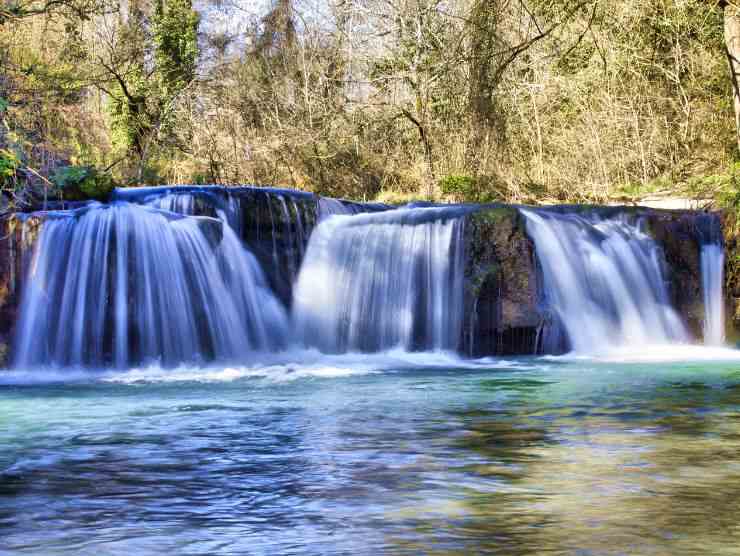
732 49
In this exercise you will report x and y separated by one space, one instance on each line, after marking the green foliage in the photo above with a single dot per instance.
639 189
464 187
469 189
175 35
141 108
78 183
9 164
725 186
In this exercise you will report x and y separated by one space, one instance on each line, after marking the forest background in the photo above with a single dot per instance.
527 101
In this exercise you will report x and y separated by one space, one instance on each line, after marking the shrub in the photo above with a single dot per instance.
468 189
79 183
9 163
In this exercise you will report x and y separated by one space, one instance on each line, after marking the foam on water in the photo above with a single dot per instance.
659 353
291 366
273 367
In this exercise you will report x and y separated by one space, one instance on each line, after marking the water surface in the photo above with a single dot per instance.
391 455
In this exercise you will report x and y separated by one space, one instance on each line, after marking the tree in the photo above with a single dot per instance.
11 11
731 13
143 94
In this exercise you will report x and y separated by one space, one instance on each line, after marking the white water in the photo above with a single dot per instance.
330 207
374 282
274 367
124 284
603 280
134 285
712 275
274 224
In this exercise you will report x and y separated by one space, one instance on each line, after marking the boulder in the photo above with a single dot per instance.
502 309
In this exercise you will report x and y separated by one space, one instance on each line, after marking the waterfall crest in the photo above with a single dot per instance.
274 224
124 284
603 281
372 282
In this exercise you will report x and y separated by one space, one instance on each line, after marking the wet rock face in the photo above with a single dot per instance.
679 234
276 227
731 233
505 309
502 313
18 236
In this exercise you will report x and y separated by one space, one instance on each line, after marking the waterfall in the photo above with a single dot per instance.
372 282
708 229
124 284
712 277
603 281
274 224
189 203
330 207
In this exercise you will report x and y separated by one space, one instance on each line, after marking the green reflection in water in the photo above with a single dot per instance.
645 461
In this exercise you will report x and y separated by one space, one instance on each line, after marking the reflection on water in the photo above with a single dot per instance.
543 457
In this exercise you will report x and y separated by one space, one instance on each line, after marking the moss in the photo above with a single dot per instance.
495 215
79 183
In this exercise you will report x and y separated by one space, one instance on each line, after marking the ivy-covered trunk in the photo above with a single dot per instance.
732 48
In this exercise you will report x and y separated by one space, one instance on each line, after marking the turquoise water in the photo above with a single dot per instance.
393 455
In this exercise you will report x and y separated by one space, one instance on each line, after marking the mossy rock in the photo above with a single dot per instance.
502 313
82 183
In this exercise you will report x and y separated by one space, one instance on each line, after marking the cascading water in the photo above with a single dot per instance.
712 276
372 282
125 284
603 280
274 224
178 274
330 207
712 258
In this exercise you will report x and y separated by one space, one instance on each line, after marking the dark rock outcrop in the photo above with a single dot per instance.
18 235
731 233
502 309
680 233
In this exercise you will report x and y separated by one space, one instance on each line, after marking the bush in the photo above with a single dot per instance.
79 183
9 163
467 189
